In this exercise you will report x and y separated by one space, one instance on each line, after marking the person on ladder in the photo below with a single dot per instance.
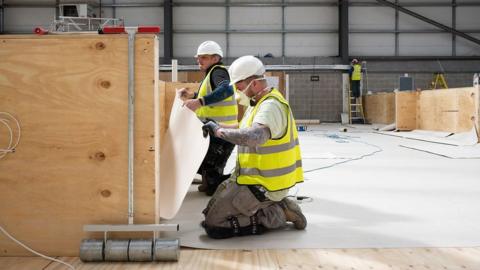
214 100
355 78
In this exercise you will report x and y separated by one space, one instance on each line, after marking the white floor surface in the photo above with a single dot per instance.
368 192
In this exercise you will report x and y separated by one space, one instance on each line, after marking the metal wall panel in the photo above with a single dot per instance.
255 18
255 44
185 45
325 18
134 16
442 15
307 45
372 44
468 48
467 18
198 18
423 44
371 18
368 24
24 20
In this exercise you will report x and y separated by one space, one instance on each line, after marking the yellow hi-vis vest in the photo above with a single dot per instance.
276 164
224 112
357 72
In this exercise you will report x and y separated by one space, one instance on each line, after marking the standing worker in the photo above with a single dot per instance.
254 199
215 100
355 78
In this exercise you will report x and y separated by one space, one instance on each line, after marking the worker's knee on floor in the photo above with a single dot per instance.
224 232
273 216
218 232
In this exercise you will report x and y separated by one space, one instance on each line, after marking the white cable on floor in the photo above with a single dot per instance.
379 149
306 199
11 145
33 251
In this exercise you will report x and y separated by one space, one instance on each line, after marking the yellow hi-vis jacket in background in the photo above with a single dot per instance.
357 72
225 111
276 164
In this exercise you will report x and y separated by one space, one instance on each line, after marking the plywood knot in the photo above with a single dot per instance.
106 193
105 84
99 156
100 46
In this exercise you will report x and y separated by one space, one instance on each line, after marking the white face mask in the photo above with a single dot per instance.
245 100
242 99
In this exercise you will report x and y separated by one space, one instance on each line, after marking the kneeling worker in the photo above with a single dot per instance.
254 199
214 100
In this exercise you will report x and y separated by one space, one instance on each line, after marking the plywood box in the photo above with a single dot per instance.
379 108
406 109
70 95
453 110
167 93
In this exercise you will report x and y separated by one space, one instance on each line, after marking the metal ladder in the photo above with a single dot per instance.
438 81
355 109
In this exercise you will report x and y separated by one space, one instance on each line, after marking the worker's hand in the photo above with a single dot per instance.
192 104
184 94
208 119
210 128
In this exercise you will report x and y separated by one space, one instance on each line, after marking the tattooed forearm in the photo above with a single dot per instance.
253 136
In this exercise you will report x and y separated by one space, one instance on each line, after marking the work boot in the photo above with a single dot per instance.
294 214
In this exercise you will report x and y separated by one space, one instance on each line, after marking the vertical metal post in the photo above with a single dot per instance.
57 9
2 15
343 30
167 31
283 31
454 26
114 9
397 37
227 28
131 123
174 70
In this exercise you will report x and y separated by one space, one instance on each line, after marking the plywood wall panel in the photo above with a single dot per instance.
379 108
70 95
406 110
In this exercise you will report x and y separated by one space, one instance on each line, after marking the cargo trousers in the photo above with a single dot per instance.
214 163
238 210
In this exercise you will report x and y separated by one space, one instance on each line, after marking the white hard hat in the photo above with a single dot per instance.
209 48
245 67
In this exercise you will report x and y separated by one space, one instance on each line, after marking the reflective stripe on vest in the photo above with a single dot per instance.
357 72
225 111
277 163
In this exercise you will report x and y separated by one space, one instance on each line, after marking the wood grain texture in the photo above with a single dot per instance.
167 96
379 108
406 106
453 110
70 168
324 259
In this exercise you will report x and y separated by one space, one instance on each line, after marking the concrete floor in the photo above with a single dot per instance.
366 192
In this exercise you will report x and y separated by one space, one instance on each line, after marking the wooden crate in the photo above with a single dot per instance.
453 110
70 95
379 108
167 95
